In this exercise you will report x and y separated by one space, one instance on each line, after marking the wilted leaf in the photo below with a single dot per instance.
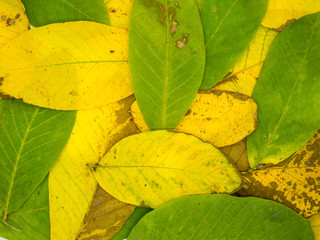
76 65
43 12
228 27
287 93
138 213
31 220
13 20
294 182
280 13
221 118
315 224
119 12
31 140
152 168
167 56
222 216
244 74
71 183
106 217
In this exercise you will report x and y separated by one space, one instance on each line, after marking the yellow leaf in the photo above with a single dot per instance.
106 217
283 12
315 224
71 183
152 168
74 65
221 118
13 20
119 12
294 182
243 76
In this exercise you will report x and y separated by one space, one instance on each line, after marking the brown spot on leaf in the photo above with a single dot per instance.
161 7
181 43
74 93
1 80
188 113
173 28
172 13
285 24
3 17
215 10
10 22
17 16
177 5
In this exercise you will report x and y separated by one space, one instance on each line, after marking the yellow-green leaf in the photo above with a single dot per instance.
106 217
315 224
221 118
294 182
71 183
244 74
119 12
152 168
74 65
13 20
283 12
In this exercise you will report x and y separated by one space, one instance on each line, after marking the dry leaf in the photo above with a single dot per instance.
294 182
221 118
119 12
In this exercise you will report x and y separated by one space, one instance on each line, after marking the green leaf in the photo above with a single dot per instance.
167 57
43 12
31 220
287 93
138 213
222 217
31 139
228 26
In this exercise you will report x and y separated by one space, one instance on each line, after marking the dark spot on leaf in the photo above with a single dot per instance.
111 51
74 93
17 16
189 111
3 17
10 22
1 80
113 10
310 181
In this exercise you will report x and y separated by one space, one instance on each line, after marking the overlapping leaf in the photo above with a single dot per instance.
119 12
152 168
61 66
295 182
43 12
221 118
228 27
31 140
220 216
315 224
167 56
287 93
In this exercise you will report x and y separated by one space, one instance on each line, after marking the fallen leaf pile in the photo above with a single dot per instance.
154 119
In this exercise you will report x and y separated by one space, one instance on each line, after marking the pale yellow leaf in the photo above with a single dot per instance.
243 76
74 65
294 182
221 118
119 12
71 182
315 224
13 20
282 12
155 167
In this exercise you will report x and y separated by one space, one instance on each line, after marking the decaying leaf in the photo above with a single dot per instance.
106 217
244 74
155 167
315 224
61 66
71 183
119 12
294 182
280 13
13 21
221 118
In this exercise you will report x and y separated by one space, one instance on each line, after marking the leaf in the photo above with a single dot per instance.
221 118
13 20
43 12
106 217
61 66
228 27
152 168
31 220
315 224
294 182
280 13
167 56
287 94
119 12
220 216
138 213
244 74
71 183
31 140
